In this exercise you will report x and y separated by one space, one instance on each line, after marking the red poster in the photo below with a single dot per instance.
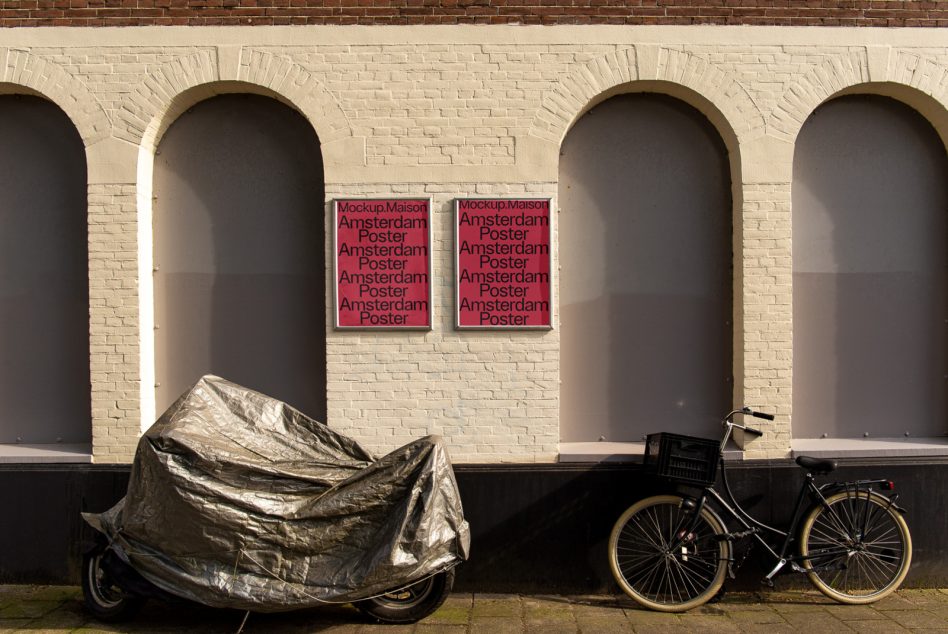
503 263
383 263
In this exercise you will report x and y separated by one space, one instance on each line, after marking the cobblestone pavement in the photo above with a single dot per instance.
59 609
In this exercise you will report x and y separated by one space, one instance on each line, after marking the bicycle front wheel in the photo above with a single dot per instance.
665 558
856 548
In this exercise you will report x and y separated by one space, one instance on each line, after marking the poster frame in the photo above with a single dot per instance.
457 265
335 265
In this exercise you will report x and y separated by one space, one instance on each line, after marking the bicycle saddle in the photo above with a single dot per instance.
816 466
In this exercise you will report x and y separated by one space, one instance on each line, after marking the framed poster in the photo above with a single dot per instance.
503 263
382 263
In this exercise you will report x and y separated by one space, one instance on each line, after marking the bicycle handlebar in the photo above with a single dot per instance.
750 412
747 412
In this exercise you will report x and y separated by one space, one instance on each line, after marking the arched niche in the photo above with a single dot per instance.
870 251
645 250
239 286
44 276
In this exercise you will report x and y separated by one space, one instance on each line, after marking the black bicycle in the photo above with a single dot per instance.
671 552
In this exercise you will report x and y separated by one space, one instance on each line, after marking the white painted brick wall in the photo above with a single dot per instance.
493 396
445 113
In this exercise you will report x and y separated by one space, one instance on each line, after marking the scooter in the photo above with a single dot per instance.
113 591
237 500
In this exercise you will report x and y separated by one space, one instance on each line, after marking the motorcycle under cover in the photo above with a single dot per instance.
238 500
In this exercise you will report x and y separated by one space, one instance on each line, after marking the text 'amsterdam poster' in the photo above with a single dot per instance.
503 263
383 263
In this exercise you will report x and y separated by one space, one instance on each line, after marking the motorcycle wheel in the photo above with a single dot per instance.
105 600
412 603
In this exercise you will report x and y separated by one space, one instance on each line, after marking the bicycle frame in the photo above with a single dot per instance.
808 495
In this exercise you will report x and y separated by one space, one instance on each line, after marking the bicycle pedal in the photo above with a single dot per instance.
767 582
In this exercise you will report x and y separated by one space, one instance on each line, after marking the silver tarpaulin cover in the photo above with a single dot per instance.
238 500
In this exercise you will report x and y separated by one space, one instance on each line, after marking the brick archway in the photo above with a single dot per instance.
181 83
914 79
21 69
611 74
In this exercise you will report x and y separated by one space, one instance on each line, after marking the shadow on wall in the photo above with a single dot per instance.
870 284
239 242
44 276
645 289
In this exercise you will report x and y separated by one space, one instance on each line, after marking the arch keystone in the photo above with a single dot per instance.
646 59
878 58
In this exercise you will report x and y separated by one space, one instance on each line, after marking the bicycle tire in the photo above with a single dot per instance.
646 568
849 565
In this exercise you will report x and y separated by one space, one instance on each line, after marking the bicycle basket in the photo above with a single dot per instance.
685 459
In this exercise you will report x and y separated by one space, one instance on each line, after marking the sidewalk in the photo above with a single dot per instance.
54 609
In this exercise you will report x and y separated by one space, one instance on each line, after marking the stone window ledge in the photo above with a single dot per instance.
603 451
43 453
869 447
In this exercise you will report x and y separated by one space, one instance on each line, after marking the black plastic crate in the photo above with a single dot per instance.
686 459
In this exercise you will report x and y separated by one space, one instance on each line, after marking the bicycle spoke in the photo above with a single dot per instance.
856 547
666 555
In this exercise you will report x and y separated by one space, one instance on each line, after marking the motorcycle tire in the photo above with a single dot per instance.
412 603
105 600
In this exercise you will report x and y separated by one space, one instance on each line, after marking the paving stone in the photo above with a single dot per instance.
450 614
745 603
886 626
662 628
640 617
925 596
328 619
496 625
66 618
767 628
54 593
541 627
708 624
894 602
372 628
917 619
460 600
425 628
817 624
494 606
805 596
756 617
855 612
28 609
599 625
802 608
547 611
586 611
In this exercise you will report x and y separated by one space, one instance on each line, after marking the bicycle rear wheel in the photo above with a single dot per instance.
666 559
856 548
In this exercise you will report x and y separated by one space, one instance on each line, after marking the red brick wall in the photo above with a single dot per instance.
879 13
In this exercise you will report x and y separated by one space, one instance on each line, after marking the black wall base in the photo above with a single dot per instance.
535 528
546 528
